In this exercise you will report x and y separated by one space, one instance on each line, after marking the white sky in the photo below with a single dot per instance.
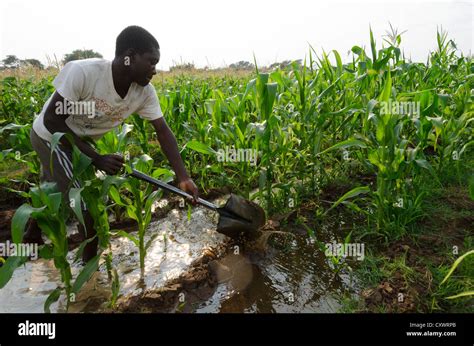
216 33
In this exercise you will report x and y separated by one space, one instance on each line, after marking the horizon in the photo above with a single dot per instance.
265 29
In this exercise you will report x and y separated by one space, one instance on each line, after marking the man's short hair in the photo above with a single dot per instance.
137 38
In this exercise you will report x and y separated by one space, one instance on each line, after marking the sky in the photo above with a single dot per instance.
217 33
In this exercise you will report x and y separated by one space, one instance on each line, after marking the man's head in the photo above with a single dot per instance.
139 51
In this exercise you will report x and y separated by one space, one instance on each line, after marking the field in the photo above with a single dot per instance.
365 168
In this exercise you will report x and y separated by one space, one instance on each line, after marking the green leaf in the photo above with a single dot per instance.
387 89
270 97
150 241
114 194
352 193
80 162
11 126
465 146
122 136
50 230
471 187
240 134
262 179
329 88
345 144
338 61
347 239
200 147
46 251
129 236
357 50
455 265
53 297
143 163
8 267
152 197
424 164
163 174
80 250
20 219
463 294
373 47
23 194
131 212
112 181
75 199
55 142
370 106
55 200
86 273
437 122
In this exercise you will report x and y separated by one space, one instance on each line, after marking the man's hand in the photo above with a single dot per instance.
111 163
188 186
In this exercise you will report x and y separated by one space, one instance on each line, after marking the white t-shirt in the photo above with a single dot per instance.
96 107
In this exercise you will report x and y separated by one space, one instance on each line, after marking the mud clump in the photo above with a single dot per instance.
179 295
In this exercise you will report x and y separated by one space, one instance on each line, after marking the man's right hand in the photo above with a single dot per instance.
110 164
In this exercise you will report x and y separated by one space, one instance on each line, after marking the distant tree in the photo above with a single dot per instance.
284 64
188 66
33 62
242 65
11 61
80 54
275 65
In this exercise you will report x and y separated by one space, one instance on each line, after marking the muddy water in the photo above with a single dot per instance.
176 242
287 273
291 276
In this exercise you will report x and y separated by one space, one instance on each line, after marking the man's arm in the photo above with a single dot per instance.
54 122
170 149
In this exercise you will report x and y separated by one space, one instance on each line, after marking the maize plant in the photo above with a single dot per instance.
139 204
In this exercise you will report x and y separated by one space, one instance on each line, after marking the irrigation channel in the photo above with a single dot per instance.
192 268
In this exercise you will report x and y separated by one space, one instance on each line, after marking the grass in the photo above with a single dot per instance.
162 77
416 264
14 169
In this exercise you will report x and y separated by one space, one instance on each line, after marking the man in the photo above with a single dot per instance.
92 97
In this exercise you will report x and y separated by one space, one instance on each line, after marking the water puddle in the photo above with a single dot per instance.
291 275
176 243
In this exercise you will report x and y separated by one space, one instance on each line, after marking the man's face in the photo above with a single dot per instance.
143 66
